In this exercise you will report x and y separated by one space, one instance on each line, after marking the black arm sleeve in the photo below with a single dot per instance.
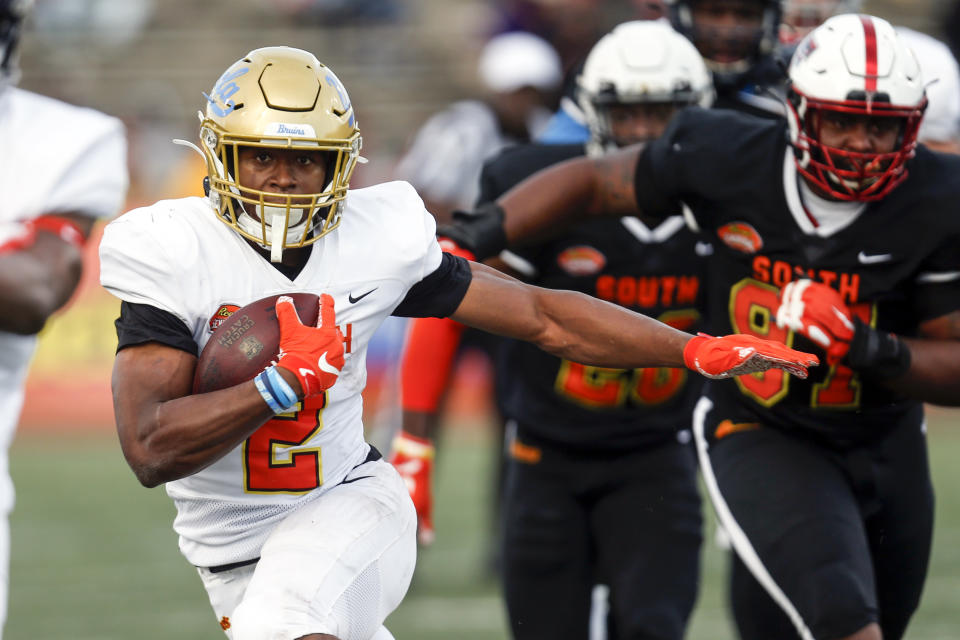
653 201
440 293
142 323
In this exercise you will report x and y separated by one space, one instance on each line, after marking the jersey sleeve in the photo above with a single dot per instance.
136 267
142 323
93 175
440 293
656 183
938 283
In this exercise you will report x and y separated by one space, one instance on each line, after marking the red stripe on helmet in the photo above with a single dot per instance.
870 39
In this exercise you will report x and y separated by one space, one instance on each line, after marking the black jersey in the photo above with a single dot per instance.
654 271
896 265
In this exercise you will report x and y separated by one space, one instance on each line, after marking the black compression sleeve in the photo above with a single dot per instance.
142 323
440 293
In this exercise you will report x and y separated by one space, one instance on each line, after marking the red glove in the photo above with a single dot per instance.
818 312
313 354
17 235
738 354
451 247
21 234
413 459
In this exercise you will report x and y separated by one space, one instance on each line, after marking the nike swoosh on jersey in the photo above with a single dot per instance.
875 258
360 297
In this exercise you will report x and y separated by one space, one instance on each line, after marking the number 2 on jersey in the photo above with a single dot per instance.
270 463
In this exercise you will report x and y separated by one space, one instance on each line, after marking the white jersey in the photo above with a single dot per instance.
54 158
177 256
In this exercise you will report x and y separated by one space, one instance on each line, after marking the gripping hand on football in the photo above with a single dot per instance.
413 459
819 313
737 354
313 354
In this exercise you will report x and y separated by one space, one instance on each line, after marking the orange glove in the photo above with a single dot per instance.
819 313
738 354
17 235
313 354
21 234
413 459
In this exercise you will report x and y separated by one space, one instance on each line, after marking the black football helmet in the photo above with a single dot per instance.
731 52
12 13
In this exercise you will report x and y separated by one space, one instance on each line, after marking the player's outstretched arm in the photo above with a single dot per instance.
550 199
40 266
587 330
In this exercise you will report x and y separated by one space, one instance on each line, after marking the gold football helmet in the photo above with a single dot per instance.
280 98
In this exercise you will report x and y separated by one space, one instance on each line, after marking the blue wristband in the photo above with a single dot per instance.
276 392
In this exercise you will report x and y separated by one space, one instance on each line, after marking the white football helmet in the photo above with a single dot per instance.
279 98
639 62
854 64
12 15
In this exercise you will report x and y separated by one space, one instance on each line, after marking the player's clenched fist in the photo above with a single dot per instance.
819 313
413 459
313 354
738 354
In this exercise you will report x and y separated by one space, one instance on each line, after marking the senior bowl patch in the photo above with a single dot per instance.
741 237
581 260
224 312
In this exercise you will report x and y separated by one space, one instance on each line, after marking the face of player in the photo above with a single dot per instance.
281 171
633 123
854 145
726 31
859 133
286 171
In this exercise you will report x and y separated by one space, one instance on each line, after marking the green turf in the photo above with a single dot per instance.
94 556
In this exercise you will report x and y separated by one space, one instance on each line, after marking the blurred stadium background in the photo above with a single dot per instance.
94 556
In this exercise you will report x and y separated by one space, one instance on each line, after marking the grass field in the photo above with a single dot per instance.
94 557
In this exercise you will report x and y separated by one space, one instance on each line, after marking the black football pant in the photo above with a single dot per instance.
630 520
840 539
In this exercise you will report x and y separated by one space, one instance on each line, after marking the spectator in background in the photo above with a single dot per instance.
61 168
520 73
800 17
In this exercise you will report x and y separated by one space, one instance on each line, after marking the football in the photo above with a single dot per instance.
246 342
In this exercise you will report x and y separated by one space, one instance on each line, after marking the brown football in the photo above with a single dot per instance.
246 342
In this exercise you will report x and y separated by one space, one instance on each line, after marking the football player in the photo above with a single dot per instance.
297 526
61 168
601 475
737 39
834 231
